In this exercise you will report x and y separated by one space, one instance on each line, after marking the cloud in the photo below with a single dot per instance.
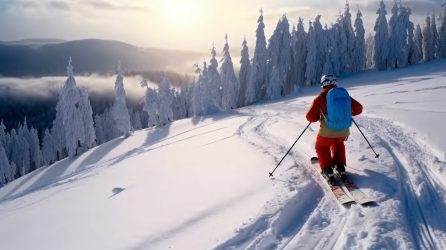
108 5
59 5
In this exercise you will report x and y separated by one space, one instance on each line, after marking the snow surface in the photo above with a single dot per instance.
202 183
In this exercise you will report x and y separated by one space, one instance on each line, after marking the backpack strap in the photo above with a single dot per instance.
324 94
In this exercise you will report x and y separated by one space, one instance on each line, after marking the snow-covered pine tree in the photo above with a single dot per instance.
189 98
165 99
109 124
370 51
99 129
24 148
58 131
136 121
151 107
273 49
200 90
396 40
285 57
229 82
311 64
381 38
350 36
2 134
300 56
434 34
119 110
273 89
412 55
12 173
34 146
251 88
48 152
86 114
419 41
321 46
245 67
359 59
441 48
4 166
427 41
259 67
74 128
213 89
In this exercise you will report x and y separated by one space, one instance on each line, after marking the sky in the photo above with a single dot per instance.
175 24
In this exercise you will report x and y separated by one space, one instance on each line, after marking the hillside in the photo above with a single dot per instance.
215 193
45 57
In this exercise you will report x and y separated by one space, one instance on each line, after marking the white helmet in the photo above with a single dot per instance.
328 80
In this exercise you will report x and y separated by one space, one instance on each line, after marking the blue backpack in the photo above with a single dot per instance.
339 109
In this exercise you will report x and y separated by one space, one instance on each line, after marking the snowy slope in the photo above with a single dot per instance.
203 183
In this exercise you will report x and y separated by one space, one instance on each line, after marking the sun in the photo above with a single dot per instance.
181 13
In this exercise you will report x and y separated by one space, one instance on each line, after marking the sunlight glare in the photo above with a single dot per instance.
180 13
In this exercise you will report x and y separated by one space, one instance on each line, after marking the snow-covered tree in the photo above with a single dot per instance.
419 41
285 57
251 88
99 129
359 52
23 146
228 80
434 34
274 87
200 90
441 48
189 98
412 55
427 41
48 152
213 92
370 51
109 124
2 134
136 121
350 36
120 111
74 129
397 37
165 99
300 53
311 73
12 173
19 151
34 147
245 67
4 166
86 114
381 38
151 107
258 77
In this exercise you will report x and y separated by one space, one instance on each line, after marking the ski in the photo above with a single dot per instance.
354 191
337 191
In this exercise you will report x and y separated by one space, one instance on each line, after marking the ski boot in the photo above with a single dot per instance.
340 169
328 174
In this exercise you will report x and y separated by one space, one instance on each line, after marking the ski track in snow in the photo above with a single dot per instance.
410 208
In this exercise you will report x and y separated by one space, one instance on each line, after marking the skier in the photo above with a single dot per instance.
328 138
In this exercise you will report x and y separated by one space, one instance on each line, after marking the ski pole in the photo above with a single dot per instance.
376 155
271 174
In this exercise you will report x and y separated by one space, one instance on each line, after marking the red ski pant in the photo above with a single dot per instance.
330 151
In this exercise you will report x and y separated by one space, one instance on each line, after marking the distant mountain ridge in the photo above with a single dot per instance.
48 57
